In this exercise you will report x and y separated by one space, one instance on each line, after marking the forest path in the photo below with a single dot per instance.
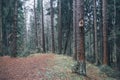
44 67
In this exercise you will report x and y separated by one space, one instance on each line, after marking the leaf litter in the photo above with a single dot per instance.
45 67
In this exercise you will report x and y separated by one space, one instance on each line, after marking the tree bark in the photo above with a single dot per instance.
14 47
59 29
0 26
81 57
52 25
35 24
95 32
74 29
114 29
43 35
105 53
67 40
118 58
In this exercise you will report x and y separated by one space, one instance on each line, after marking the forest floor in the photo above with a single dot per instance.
45 67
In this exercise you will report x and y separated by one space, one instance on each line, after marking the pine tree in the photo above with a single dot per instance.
81 65
59 29
74 29
14 43
0 26
105 50
52 25
43 35
95 32
35 24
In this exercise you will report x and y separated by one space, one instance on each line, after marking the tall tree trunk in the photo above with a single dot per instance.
67 40
105 53
39 21
52 25
101 33
43 35
47 37
74 29
68 34
26 31
118 59
35 24
95 32
114 33
59 29
14 43
90 52
81 58
0 26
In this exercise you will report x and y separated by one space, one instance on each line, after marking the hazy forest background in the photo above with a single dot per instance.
59 40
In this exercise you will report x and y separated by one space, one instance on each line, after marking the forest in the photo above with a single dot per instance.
59 40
